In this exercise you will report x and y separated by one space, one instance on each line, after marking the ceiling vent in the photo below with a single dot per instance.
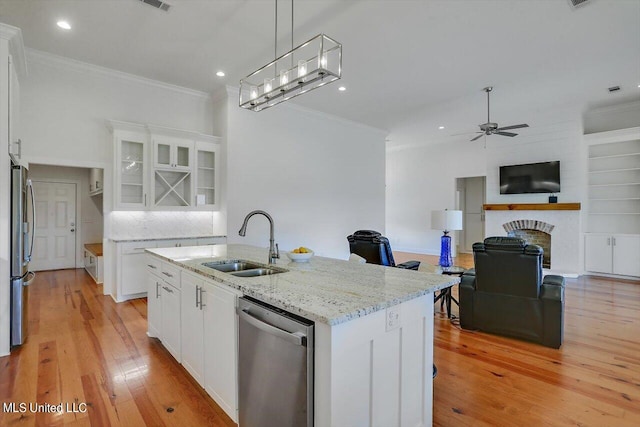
158 4
576 3
614 88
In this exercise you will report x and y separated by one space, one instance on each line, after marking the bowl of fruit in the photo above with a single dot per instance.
300 254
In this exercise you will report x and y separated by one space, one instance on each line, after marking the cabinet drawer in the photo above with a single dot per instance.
154 265
136 247
171 274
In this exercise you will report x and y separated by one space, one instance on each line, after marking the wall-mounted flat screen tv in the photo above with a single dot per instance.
530 178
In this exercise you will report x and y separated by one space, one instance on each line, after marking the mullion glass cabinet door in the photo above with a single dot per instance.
132 173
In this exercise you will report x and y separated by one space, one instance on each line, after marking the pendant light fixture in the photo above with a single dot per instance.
314 63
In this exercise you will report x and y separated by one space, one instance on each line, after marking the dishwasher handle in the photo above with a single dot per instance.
296 338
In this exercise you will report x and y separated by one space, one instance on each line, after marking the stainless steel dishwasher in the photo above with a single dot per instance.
275 368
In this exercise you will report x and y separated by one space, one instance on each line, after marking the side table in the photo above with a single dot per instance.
445 296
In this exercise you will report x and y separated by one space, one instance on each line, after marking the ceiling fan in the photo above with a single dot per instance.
491 128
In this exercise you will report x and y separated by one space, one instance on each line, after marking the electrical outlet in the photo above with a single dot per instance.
393 318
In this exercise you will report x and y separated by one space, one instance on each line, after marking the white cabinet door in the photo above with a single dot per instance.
154 305
170 333
220 347
192 326
597 254
133 274
131 163
626 255
172 153
207 175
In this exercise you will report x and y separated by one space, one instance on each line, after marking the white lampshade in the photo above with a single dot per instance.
446 220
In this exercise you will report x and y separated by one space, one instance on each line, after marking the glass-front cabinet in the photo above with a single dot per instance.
131 170
172 153
164 169
207 158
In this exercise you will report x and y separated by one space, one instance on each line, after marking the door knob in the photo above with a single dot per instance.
73 229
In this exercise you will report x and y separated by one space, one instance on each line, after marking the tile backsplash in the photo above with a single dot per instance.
148 224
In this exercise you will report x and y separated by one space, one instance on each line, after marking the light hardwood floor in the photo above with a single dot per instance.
85 348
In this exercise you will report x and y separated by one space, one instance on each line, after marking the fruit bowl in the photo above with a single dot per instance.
300 257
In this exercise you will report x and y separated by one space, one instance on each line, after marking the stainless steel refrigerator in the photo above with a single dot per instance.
22 227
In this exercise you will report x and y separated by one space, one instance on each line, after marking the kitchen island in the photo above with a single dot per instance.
373 329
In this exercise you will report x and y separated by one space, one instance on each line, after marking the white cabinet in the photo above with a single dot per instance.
164 169
170 319
207 175
154 304
221 347
131 168
192 325
130 267
612 253
172 153
12 66
96 181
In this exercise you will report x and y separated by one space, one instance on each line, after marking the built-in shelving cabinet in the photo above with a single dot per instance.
182 173
612 242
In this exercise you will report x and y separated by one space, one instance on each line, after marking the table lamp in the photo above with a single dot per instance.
446 221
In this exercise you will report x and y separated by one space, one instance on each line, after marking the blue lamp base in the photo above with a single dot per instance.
445 251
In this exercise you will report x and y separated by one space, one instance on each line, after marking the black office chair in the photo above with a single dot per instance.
375 248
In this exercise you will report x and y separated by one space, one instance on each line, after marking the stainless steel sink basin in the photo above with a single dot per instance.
241 268
229 266
256 272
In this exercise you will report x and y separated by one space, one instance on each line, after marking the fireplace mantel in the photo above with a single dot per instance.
532 207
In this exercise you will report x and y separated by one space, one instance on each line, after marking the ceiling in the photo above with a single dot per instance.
401 59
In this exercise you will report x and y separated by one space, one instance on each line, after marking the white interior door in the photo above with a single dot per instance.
473 213
55 233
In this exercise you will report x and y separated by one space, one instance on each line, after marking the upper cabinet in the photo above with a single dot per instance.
96 181
181 173
13 67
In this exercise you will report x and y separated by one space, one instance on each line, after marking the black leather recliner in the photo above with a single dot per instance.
506 293
375 248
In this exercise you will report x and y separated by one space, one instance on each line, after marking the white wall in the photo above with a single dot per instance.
620 116
320 177
88 209
422 178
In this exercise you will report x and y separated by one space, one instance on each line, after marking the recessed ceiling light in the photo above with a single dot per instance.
64 25
342 88
220 74
440 127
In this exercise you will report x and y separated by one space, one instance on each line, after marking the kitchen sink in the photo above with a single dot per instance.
242 268
229 266
257 272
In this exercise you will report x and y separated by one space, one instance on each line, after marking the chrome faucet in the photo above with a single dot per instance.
274 252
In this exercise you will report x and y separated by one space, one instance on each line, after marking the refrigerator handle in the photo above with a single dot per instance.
33 217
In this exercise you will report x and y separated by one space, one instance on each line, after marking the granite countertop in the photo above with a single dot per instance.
94 248
325 290
150 239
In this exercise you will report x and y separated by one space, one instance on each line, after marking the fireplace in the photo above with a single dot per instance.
534 232
566 245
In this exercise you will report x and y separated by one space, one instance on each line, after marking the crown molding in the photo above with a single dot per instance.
118 125
232 91
64 63
617 108
16 47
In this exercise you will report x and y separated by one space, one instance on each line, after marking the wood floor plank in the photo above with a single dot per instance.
102 354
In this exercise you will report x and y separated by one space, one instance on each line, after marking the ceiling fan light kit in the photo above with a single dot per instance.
492 128
313 64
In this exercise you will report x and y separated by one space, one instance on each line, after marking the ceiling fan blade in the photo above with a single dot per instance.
523 125
505 133
477 137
